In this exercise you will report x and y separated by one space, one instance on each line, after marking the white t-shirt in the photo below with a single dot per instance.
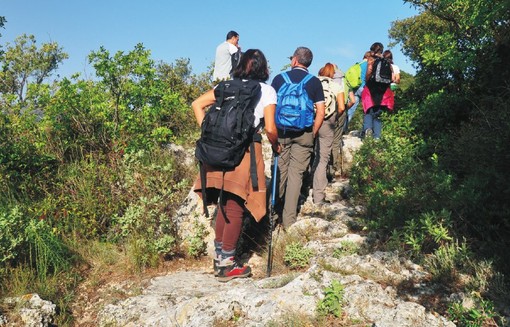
396 71
223 61
268 97
395 68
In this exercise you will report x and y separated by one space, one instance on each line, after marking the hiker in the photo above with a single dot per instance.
296 142
377 95
341 121
395 77
228 54
239 194
335 107
355 92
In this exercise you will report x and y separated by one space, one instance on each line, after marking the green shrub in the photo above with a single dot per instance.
448 261
296 255
395 176
424 234
482 314
12 230
346 248
332 301
141 253
196 244
47 252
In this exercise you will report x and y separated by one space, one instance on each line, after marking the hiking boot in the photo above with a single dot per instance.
369 132
229 268
216 262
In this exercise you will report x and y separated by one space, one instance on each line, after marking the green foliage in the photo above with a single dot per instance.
424 234
395 178
346 248
141 253
482 314
143 109
196 244
24 63
11 233
89 159
47 252
448 261
459 99
296 255
332 301
77 121
25 171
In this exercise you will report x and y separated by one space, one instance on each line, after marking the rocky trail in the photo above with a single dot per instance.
378 288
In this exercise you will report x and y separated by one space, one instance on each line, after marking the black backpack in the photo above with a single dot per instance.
235 59
381 71
227 129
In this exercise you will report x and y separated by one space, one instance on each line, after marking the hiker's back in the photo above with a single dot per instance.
381 71
227 128
295 108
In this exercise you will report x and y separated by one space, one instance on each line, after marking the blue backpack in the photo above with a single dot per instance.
294 109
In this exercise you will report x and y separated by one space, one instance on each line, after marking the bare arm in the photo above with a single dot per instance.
351 101
270 127
340 101
319 117
202 102
396 78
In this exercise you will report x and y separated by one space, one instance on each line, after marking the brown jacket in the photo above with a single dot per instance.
238 182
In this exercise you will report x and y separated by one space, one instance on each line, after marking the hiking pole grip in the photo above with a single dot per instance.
271 214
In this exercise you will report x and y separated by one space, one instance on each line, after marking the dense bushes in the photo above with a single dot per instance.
437 183
86 163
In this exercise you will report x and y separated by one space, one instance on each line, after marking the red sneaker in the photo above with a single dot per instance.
229 269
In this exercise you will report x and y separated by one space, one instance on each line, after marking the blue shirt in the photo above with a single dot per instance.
364 67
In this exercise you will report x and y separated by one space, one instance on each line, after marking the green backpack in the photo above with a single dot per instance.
353 76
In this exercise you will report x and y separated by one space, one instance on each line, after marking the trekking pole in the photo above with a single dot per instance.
341 155
271 219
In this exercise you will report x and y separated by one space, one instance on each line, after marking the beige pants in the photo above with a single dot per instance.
294 160
322 152
337 142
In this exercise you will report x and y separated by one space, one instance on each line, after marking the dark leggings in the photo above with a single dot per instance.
228 233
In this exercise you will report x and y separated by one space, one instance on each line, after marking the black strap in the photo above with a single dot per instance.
253 167
204 182
222 208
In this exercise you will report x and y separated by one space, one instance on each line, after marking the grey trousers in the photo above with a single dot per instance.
294 160
337 142
321 157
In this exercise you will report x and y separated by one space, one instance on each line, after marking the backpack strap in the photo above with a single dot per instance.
253 167
306 79
221 96
222 207
204 182
239 114
286 78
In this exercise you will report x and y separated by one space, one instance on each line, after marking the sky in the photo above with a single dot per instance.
337 31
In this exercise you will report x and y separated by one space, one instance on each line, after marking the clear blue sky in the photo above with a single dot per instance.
336 31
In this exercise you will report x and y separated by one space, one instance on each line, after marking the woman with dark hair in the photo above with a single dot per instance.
376 96
238 193
395 76
335 107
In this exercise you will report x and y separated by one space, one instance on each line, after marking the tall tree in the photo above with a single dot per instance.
24 63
